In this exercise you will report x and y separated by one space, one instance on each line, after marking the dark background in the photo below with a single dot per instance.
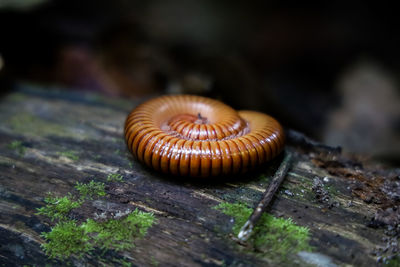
330 70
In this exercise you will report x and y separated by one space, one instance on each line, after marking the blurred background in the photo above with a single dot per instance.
330 70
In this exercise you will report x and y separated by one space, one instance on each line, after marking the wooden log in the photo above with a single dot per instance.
49 140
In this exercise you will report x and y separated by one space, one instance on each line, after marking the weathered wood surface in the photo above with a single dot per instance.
189 231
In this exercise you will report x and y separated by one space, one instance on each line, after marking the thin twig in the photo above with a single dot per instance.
279 176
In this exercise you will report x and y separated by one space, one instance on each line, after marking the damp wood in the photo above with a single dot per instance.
50 140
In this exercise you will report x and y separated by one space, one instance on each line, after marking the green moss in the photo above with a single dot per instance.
18 147
66 238
395 262
69 237
72 155
154 261
275 238
91 189
123 262
28 124
115 177
119 234
58 207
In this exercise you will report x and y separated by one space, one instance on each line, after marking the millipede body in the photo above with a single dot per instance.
197 136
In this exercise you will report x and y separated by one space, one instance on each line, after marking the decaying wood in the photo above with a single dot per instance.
344 204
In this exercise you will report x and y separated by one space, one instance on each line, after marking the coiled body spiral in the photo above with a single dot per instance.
197 136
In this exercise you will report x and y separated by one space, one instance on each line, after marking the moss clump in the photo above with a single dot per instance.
119 234
66 238
18 147
72 155
395 262
57 208
34 126
71 238
91 189
154 262
275 238
115 177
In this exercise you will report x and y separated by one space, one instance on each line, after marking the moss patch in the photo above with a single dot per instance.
57 208
18 147
72 155
274 238
119 234
66 238
91 189
70 237
28 124
115 177
395 262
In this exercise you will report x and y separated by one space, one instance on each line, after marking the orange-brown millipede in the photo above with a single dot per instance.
198 136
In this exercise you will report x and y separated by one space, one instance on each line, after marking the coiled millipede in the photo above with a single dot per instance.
197 136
